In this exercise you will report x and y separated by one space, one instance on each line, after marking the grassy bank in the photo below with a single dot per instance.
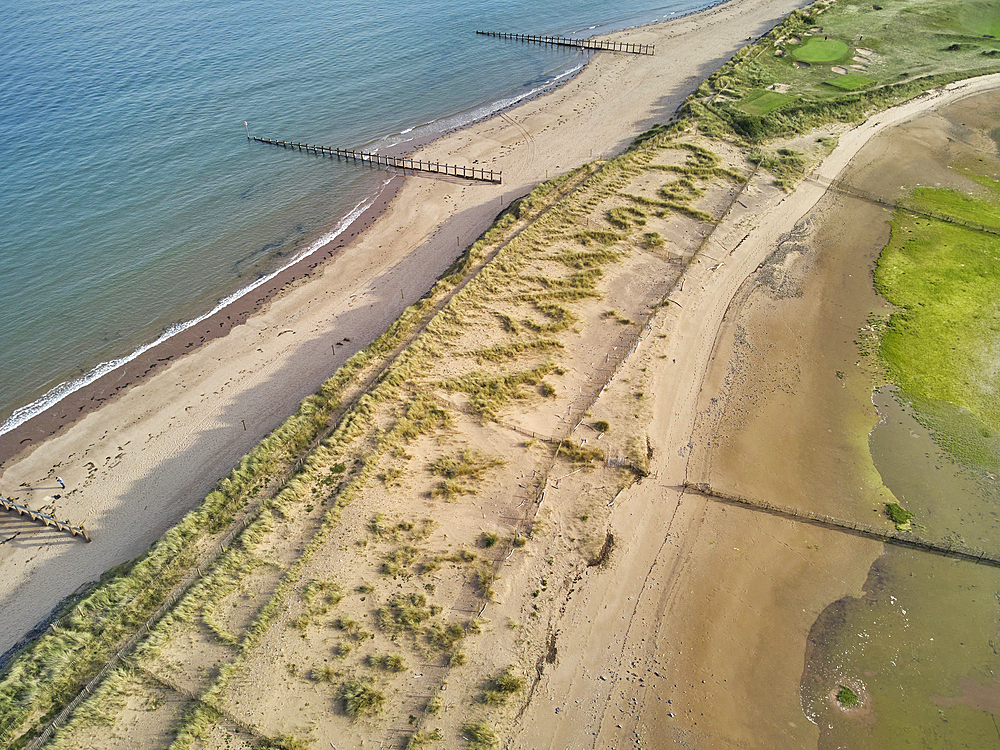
839 61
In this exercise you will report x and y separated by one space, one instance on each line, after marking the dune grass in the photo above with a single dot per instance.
359 698
479 735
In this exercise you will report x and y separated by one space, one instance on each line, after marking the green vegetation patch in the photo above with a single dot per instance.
786 164
559 317
444 637
422 739
500 688
815 50
507 352
387 662
360 698
579 454
899 516
479 735
847 697
488 393
599 237
764 102
980 19
462 472
849 82
404 612
941 347
899 41
959 207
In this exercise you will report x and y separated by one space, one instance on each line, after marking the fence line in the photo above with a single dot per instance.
891 536
866 195
194 697
133 640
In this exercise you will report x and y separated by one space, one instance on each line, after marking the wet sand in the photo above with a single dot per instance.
697 635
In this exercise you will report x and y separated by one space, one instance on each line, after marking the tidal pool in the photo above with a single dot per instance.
921 648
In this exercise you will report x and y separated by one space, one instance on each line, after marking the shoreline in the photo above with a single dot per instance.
135 466
104 389
83 399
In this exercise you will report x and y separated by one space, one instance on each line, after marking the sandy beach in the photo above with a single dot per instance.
136 465
680 632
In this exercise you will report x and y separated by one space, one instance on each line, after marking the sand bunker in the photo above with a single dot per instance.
865 52
839 70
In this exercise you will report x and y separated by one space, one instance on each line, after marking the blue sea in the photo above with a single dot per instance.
131 200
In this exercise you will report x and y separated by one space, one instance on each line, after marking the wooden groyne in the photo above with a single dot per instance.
396 162
44 518
890 536
591 44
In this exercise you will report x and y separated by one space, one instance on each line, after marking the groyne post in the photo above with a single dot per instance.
44 518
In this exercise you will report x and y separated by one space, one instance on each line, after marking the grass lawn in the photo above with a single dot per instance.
979 18
816 50
849 82
762 102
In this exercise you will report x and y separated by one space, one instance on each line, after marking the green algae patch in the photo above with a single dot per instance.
942 347
899 516
847 697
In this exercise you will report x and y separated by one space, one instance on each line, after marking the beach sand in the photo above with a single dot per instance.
681 631
150 453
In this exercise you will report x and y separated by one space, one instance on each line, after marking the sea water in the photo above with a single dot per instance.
131 200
